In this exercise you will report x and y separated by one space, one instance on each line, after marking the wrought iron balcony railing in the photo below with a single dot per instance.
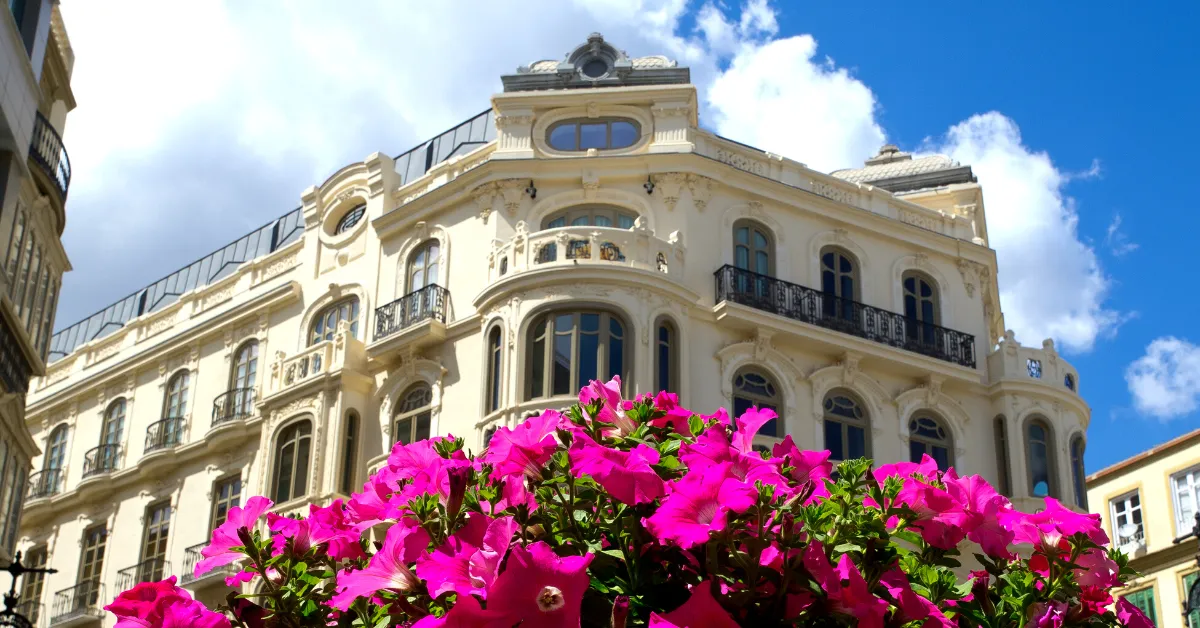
819 308
45 483
100 460
236 404
164 434
191 556
46 150
428 303
83 599
150 570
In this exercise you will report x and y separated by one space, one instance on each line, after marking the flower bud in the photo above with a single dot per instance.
620 611
459 476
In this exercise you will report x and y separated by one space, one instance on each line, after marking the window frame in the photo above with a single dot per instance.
325 316
546 321
854 274
94 540
1003 455
578 135
433 261
774 401
752 248
51 446
494 392
1193 475
350 218
1125 499
670 346
1078 473
155 549
218 499
33 584
413 414
1153 614
614 214
175 395
350 441
293 434
844 423
929 442
1053 489
115 414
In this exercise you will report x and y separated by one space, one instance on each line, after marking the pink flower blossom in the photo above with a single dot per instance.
468 561
1045 528
626 475
523 449
1096 569
467 613
927 468
1094 600
388 568
807 466
713 447
162 605
676 415
514 493
540 589
913 607
1131 616
701 610
611 410
845 589
330 526
699 503
983 506
142 600
940 518
220 551
1049 614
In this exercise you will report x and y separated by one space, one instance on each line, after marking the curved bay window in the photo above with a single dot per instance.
350 218
493 369
293 447
597 133
325 324
845 427
839 281
928 435
1039 450
666 356
411 421
1078 476
753 388
567 350
590 216
921 314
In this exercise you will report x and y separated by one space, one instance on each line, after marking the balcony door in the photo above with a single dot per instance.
152 567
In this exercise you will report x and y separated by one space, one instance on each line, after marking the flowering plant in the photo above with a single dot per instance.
629 513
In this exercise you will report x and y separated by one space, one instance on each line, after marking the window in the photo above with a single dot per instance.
1002 462
14 248
1034 367
493 374
845 427
241 379
567 350
290 480
350 452
1144 600
1126 512
591 216
1078 477
839 281
1039 448
928 435
18 289
227 493
91 564
1186 485
598 133
175 403
753 249
56 452
921 314
114 423
488 434
13 472
755 389
325 325
423 266
36 289
1193 618
666 360
350 218
48 318
154 542
32 585
411 420
1069 381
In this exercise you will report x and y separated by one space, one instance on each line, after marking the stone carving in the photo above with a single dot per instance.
762 345
513 191
834 192
279 266
849 364
217 297
701 188
297 406
593 110
484 197
971 272
920 220
669 185
741 162
662 112
510 121
591 185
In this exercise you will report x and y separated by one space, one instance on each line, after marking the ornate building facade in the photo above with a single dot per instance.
584 226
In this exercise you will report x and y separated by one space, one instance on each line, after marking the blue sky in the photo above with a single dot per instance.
1077 117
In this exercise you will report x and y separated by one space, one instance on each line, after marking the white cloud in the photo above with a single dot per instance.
1118 243
1051 284
1165 382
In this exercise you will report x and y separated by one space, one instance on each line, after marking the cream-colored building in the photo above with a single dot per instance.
583 226
35 96
1147 502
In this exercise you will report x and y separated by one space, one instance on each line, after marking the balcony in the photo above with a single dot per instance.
577 246
318 362
47 151
803 304
45 483
236 404
191 556
427 304
1013 363
164 434
78 605
101 460
151 570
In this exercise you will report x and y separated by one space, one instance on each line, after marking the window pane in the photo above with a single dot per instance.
833 439
563 329
423 426
403 433
300 484
283 485
562 137
537 369
593 135
664 366
623 134
857 441
603 221
624 221
589 353
1038 469
916 450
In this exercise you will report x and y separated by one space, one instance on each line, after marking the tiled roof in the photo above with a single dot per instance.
894 169
546 66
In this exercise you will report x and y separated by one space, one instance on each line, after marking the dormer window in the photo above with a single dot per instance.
600 134
350 218
594 68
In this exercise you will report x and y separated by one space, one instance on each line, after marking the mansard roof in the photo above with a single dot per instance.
897 171
595 63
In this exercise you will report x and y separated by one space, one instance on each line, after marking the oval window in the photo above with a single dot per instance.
350 218
600 134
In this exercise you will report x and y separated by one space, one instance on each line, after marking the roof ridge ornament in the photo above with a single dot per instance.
595 63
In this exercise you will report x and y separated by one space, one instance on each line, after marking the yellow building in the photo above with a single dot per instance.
583 226
1147 502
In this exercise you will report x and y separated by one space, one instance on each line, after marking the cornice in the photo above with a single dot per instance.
591 276
1031 389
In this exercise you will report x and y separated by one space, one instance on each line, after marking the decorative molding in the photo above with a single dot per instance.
741 162
513 193
668 185
485 198
591 185
701 188
511 121
921 220
834 192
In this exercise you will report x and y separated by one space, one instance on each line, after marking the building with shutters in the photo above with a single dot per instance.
583 226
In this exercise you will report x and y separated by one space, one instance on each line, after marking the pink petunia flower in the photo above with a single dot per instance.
713 447
468 561
540 589
523 450
1045 528
983 506
467 613
1094 601
940 518
1049 614
927 468
330 526
1131 616
845 589
701 610
807 466
220 550
699 503
1096 569
388 568
913 607
612 410
626 475
141 601
162 605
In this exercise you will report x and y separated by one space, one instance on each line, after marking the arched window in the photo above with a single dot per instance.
493 369
350 452
325 324
839 282
753 248
350 218
423 265
175 401
566 350
1001 431
591 216
242 376
114 423
292 449
845 427
928 435
1039 450
666 357
410 423
921 315
597 133
753 388
1078 477
56 451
